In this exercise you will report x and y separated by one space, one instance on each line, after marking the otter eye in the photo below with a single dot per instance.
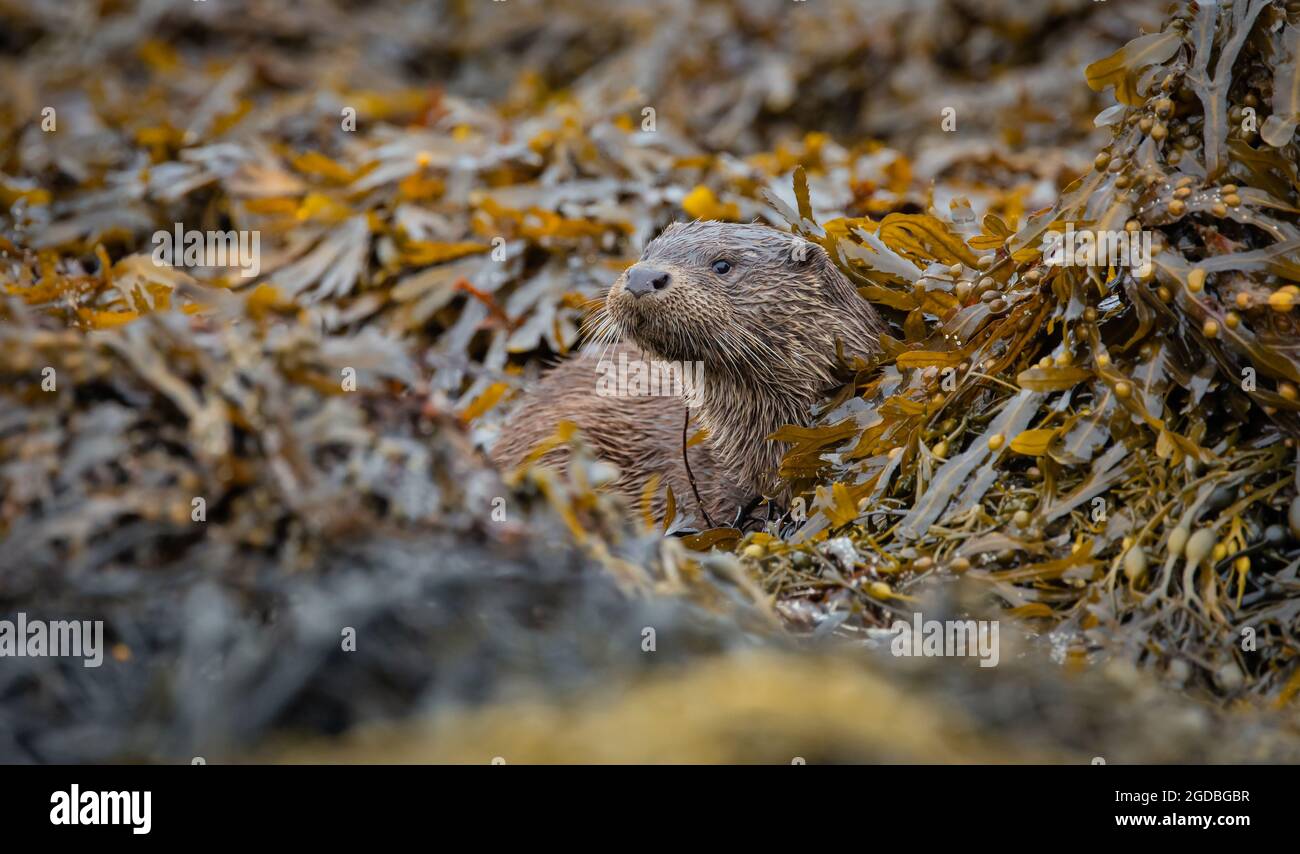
722 266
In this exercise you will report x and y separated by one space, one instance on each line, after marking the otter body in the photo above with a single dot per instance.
641 435
760 310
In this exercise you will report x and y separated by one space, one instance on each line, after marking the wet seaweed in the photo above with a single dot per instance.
1111 449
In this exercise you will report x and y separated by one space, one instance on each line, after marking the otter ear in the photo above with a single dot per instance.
804 253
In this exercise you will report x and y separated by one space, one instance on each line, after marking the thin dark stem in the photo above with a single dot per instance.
689 475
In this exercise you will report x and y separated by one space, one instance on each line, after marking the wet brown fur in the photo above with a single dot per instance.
766 332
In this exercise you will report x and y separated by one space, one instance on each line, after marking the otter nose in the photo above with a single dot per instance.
644 280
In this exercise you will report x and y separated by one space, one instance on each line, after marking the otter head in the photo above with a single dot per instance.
761 309
748 301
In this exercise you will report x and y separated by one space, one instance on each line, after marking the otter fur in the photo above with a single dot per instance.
765 312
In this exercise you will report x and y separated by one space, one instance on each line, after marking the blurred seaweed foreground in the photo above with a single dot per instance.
235 469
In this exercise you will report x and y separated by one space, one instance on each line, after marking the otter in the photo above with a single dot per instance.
764 313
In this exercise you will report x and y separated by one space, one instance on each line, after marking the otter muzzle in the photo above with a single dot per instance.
645 280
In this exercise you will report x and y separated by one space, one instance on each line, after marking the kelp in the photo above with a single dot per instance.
1100 417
